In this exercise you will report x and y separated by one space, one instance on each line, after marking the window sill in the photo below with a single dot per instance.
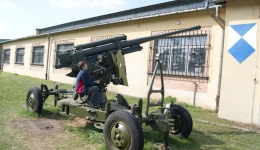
19 63
181 76
64 68
37 64
6 62
61 68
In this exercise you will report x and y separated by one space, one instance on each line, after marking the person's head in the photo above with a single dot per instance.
82 66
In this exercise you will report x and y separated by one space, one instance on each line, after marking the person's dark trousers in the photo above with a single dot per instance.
93 90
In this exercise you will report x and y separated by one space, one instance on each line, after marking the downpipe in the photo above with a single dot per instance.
220 71
217 16
47 63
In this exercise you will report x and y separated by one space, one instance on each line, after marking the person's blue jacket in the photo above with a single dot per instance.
83 82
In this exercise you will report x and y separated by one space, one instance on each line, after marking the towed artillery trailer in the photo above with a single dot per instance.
122 124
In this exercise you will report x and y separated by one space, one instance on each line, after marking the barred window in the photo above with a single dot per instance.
61 49
37 55
19 55
7 55
184 54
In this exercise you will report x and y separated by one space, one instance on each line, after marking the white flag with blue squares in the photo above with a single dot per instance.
242 41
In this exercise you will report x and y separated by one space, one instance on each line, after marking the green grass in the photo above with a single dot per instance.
12 106
89 133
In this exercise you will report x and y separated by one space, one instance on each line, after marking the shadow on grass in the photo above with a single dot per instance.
197 140
47 112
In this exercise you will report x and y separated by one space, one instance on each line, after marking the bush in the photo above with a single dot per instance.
169 99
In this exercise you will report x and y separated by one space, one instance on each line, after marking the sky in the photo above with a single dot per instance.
20 18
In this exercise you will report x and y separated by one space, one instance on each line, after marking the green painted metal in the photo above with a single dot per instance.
150 91
107 109
120 136
121 67
83 111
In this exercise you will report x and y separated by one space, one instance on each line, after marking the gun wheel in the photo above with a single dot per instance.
34 100
183 121
123 131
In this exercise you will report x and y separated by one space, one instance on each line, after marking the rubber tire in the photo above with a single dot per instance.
187 123
132 125
38 99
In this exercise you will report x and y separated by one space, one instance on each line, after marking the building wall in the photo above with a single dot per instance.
184 91
239 100
136 63
26 68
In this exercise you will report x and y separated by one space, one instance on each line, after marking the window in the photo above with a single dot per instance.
7 55
61 49
37 55
19 55
183 54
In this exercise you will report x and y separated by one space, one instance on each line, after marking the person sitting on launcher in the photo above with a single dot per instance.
84 86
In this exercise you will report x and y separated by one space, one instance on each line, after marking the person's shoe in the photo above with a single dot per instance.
95 106
75 95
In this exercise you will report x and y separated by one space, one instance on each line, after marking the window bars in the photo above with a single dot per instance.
37 55
184 54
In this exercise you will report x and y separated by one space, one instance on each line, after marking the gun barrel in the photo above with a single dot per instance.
129 43
102 42
150 38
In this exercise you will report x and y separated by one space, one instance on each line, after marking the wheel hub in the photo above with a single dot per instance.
120 137
31 101
178 125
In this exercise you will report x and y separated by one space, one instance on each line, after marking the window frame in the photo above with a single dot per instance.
56 60
5 50
201 73
33 54
16 55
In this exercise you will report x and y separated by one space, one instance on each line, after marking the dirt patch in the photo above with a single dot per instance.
78 122
47 133
46 126
38 126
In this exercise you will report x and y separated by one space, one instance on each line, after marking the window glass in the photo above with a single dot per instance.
7 55
19 55
61 49
37 55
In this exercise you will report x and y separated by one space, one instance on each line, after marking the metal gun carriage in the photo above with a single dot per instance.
122 124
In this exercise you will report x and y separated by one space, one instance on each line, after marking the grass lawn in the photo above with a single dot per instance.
20 129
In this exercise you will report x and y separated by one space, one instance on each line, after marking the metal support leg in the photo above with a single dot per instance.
166 138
